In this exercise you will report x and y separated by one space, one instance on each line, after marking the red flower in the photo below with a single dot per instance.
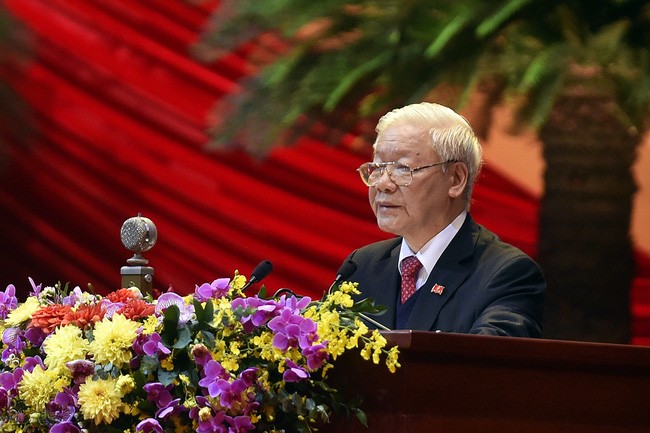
49 317
85 316
136 309
122 296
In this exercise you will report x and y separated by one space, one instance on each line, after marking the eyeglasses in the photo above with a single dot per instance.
400 174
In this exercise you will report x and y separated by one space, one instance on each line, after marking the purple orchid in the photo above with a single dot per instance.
213 424
8 301
316 355
241 424
173 407
230 392
13 339
65 427
73 297
154 346
35 336
292 330
9 380
63 407
81 369
5 400
249 376
158 393
111 308
149 425
32 361
9 386
262 310
217 289
213 372
296 305
168 299
294 372
36 290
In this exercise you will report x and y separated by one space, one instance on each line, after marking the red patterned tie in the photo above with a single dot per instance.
410 267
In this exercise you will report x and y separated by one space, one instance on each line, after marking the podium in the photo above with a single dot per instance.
457 383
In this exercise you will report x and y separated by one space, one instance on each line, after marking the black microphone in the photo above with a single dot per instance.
345 271
259 273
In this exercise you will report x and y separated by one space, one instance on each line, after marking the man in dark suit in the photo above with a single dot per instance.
443 272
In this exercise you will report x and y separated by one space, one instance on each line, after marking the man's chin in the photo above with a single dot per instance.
387 227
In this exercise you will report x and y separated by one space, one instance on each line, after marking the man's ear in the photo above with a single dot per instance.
458 177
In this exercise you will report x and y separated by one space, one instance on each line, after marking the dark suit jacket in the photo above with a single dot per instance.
490 287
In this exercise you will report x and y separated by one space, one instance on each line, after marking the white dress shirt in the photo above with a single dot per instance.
432 250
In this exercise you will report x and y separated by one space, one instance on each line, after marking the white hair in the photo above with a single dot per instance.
452 137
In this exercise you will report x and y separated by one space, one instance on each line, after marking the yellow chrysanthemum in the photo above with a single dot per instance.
23 312
150 325
100 400
65 344
113 339
37 388
126 384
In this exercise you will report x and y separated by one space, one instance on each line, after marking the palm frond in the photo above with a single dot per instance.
503 13
370 55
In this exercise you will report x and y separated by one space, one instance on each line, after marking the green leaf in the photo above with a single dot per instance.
502 15
361 416
184 338
367 305
452 28
199 310
166 377
208 338
545 102
351 79
170 325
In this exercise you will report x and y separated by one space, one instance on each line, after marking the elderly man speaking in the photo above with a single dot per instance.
443 272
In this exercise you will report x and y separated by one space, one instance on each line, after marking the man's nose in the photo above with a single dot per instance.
385 182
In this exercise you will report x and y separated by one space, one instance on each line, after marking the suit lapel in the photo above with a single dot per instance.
449 272
385 272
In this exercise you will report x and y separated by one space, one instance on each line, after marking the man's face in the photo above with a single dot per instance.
422 209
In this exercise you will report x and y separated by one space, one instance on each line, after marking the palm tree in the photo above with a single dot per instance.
577 71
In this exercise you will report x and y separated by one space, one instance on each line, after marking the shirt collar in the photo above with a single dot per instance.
433 249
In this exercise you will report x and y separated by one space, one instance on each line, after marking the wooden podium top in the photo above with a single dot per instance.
468 383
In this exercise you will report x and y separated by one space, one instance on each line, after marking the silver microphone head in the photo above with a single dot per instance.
139 234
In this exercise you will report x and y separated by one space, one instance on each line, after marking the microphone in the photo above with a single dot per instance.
259 273
345 271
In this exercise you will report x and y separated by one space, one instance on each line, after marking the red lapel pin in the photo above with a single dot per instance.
437 289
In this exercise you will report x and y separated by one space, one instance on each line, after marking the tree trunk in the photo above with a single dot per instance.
585 249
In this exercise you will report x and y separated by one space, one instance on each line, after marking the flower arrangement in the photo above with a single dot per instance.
214 361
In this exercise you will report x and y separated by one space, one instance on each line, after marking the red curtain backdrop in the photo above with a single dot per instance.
120 109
